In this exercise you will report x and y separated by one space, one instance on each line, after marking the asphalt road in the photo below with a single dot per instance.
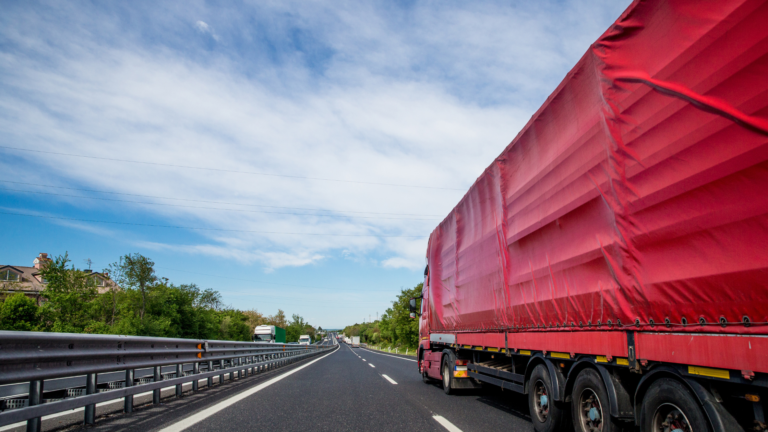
346 390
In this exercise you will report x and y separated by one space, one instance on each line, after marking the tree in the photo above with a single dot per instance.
254 319
233 326
18 312
277 319
139 274
396 324
70 294
116 272
395 327
298 327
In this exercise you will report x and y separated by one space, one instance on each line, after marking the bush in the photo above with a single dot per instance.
19 312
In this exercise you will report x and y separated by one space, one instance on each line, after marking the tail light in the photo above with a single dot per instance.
462 362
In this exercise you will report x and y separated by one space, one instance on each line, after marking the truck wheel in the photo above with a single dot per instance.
668 405
590 408
546 415
448 377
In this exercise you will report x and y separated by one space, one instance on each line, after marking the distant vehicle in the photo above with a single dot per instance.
305 340
269 333
355 341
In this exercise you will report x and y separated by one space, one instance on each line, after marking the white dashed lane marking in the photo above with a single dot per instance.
371 365
389 379
446 424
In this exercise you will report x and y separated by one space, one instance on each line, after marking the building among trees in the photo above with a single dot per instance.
30 281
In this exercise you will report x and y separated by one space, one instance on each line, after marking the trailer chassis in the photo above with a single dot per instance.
722 375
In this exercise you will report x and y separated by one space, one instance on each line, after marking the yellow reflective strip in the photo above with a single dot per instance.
710 372
622 361
560 355
468 346
601 359
479 348
525 352
493 349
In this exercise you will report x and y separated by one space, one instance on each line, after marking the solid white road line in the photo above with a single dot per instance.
446 424
371 365
202 415
389 379
401 358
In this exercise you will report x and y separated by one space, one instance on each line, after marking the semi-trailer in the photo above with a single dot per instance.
269 333
611 263
355 342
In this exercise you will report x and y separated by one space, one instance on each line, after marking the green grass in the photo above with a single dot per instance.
394 350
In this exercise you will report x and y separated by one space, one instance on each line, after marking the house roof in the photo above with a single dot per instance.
30 277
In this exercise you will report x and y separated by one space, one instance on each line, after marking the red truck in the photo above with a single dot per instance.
612 262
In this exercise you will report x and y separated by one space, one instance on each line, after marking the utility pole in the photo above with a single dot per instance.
89 262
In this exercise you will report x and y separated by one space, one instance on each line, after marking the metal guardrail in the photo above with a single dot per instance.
85 360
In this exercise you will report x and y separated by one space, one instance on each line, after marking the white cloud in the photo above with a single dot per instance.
426 96
203 27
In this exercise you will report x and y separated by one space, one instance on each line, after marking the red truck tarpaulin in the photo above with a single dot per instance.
637 194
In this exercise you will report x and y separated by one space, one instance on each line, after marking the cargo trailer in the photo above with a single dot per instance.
611 262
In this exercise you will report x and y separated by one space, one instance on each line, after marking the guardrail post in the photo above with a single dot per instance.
156 392
128 404
210 369
35 398
195 371
179 374
221 377
90 388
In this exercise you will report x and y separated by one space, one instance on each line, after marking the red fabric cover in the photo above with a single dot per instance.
638 191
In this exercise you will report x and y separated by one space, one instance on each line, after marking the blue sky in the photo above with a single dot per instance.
360 123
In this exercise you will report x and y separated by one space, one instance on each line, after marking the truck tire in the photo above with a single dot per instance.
546 415
590 407
668 401
448 376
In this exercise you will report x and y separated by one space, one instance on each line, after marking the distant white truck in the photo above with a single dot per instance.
269 333
355 341
305 340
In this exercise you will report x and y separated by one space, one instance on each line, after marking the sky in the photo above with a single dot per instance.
289 154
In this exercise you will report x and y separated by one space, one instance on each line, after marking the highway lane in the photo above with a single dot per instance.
361 389
482 409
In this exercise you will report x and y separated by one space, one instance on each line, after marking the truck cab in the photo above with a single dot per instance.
305 340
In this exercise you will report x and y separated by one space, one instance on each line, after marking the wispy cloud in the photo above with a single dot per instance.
203 27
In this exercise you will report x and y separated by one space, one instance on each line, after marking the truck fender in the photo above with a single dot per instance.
618 397
720 419
558 380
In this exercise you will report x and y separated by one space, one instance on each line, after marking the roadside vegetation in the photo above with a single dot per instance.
139 303
395 328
